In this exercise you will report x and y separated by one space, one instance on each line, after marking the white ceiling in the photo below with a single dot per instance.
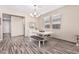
42 9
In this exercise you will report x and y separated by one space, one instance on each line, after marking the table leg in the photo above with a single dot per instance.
43 42
39 43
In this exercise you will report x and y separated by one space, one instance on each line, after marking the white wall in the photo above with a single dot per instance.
29 19
69 23
17 27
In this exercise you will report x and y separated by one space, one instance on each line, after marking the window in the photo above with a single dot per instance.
47 26
47 22
56 26
56 22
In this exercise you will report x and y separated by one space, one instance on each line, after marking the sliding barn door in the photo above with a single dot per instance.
17 27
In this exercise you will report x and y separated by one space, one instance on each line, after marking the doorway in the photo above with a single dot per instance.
6 26
13 26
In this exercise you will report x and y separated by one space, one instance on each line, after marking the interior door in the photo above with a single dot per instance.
17 27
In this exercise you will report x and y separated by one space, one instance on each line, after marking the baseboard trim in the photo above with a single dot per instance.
18 36
63 40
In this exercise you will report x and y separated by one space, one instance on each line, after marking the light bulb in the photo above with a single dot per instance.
31 15
35 13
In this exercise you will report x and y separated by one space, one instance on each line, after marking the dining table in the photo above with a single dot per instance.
43 35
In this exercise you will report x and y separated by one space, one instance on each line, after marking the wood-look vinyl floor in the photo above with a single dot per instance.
57 46
21 45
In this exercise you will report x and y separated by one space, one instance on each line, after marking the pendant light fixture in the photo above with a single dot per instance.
35 12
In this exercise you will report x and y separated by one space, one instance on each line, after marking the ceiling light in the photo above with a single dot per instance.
35 12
